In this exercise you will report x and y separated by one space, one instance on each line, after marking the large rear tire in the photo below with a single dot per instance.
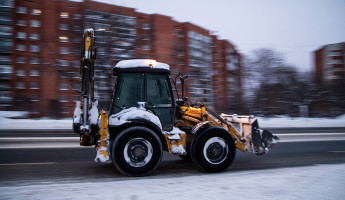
137 151
213 149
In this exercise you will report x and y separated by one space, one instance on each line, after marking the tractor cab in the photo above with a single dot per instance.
144 82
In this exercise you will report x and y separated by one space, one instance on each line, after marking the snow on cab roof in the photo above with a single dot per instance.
135 63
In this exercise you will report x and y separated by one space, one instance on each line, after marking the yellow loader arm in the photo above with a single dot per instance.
244 129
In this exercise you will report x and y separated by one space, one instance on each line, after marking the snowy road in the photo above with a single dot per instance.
311 170
291 170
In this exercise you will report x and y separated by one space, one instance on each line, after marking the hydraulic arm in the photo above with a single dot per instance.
86 111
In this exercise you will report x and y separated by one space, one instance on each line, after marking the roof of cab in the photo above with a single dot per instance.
141 65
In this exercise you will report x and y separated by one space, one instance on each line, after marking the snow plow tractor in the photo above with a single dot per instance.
145 119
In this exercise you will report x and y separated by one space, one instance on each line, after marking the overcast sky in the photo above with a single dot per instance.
294 28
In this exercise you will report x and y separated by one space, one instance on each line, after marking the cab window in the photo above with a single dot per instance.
158 92
130 90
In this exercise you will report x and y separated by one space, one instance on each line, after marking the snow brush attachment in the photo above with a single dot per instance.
249 135
262 140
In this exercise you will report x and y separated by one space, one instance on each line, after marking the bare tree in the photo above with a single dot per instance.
257 74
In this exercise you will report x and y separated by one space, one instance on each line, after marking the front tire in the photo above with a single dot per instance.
137 151
213 149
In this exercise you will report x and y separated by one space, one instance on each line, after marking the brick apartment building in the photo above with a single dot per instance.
42 74
330 63
6 43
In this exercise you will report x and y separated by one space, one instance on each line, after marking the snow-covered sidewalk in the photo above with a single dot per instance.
299 122
313 182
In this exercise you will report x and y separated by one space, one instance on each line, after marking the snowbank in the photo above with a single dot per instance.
13 114
281 122
315 182
35 124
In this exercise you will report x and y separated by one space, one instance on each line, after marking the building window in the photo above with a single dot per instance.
20 97
34 73
36 12
76 63
34 85
34 61
6 3
63 86
34 97
21 22
63 62
63 26
63 39
6 30
63 98
21 47
5 59
21 35
64 110
21 9
64 50
76 28
64 14
146 47
146 37
20 85
20 60
5 95
20 73
77 16
146 26
34 36
34 48
35 23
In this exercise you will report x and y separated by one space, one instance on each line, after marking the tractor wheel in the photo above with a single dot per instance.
137 151
213 149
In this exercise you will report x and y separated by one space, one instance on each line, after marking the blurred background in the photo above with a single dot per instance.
276 58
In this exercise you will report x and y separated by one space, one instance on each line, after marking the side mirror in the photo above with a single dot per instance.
182 78
182 82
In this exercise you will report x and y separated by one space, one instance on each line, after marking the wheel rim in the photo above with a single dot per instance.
215 150
138 152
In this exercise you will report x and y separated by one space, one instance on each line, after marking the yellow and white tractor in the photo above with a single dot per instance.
144 120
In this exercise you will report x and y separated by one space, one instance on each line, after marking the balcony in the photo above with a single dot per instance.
5 49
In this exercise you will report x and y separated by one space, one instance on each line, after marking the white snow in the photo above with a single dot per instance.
141 63
13 114
312 182
179 150
133 113
94 114
175 134
174 137
77 113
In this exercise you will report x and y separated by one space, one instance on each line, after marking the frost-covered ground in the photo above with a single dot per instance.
6 122
313 182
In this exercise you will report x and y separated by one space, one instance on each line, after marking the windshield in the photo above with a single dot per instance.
130 90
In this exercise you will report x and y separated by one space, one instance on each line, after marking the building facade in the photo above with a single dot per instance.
43 77
330 63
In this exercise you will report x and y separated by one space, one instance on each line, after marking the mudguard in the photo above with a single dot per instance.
135 115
